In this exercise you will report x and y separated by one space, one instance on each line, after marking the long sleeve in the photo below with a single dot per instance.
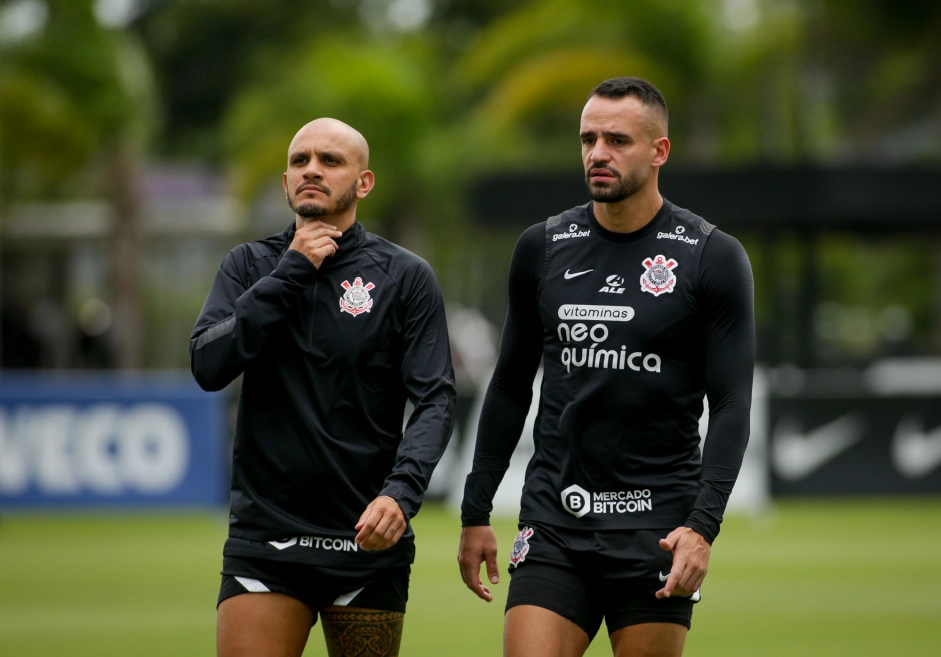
238 315
509 393
428 376
728 304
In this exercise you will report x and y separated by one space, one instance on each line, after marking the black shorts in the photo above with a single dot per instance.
317 587
589 576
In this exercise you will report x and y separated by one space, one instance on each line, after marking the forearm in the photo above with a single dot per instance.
428 375
502 419
729 369
235 322
425 439
510 392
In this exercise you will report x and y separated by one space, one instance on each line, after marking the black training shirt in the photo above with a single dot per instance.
329 357
634 329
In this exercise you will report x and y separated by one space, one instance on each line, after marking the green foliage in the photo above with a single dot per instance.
383 90
41 140
68 94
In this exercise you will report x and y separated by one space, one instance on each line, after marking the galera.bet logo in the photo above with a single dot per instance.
576 500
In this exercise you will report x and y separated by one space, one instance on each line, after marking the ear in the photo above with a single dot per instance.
366 182
661 151
284 183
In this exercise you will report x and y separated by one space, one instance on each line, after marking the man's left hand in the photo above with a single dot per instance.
690 562
381 525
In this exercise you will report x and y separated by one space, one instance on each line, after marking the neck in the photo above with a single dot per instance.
342 221
631 214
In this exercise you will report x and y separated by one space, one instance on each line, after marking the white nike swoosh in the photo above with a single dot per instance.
915 452
797 455
695 597
578 273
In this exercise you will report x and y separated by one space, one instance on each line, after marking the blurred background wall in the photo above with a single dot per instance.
142 139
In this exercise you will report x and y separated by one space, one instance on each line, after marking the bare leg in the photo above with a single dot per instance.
649 640
262 625
354 632
530 631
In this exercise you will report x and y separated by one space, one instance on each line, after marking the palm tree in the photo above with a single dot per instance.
76 105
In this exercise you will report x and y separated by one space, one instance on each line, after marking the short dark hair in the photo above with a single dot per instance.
646 93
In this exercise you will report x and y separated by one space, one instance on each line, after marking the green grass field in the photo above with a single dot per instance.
810 578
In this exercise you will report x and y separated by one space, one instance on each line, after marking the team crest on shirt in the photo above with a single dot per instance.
658 277
521 546
356 299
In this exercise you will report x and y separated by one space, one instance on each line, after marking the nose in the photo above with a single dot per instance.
598 153
312 170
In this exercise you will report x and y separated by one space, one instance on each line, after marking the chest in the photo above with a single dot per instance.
618 294
350 313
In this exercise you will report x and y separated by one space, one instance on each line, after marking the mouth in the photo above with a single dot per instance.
601 175
311 188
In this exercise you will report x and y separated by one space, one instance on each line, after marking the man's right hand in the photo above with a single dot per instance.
315 239
478 545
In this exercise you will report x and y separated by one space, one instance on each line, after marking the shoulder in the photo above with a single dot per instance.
578 215
402 266
725 264
684 226
391 254
721 246
574 222
533 238
247 256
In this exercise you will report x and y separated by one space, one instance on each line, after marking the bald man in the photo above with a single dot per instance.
333 329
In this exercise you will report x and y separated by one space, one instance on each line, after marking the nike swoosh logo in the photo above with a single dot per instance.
797 455
915 452
695 597
578 273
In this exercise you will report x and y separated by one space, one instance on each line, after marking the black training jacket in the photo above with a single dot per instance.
330 357
633 330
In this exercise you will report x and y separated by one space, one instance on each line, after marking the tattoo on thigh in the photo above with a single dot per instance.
362 632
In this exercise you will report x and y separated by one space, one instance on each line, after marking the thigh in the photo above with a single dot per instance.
629 568
531 631
357 632
649 640
563 591
262 624
367 621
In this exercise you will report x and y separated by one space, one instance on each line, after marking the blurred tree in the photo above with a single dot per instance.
76 105
449 90
527 75
205 52
384 90
879 62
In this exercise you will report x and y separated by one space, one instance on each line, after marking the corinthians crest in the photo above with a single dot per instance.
521 546
356 299
658 277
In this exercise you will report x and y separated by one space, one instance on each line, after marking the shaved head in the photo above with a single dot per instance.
327 171
335 132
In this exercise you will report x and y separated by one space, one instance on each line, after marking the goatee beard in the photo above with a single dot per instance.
622 188
312 210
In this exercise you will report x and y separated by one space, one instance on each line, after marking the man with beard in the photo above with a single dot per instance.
637 309
333 330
